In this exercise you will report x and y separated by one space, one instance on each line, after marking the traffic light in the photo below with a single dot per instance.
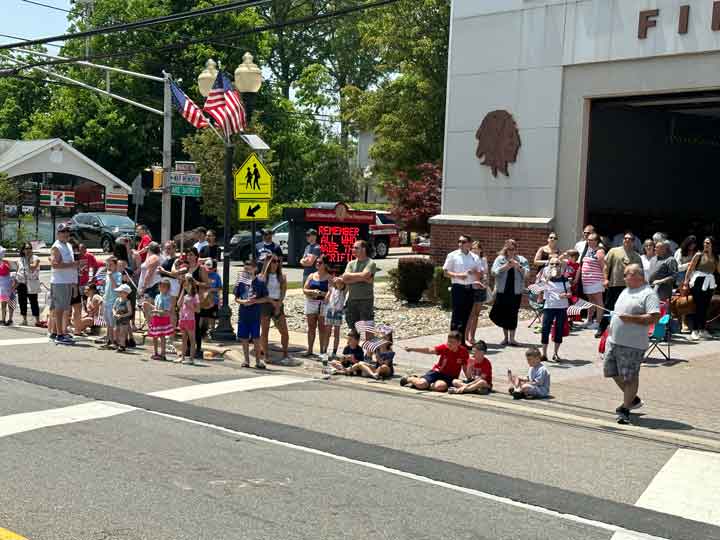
157 177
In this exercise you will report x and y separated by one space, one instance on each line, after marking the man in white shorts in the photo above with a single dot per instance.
63 283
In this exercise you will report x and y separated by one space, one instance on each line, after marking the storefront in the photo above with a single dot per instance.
564 112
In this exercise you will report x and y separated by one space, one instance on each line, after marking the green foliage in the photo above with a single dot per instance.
411 278
439 291
406 111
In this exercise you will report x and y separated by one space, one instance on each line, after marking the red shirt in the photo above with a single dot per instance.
479 368
144 242
90 262
450 363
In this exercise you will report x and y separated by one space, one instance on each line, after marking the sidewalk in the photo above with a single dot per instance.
680 394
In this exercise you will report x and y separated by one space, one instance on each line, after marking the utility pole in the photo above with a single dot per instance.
165 229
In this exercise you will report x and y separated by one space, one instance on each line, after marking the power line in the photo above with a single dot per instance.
47 6
28 39
111 29
221 37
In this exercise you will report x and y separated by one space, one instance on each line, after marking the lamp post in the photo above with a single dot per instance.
248 80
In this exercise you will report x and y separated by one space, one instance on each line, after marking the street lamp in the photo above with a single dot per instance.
248 79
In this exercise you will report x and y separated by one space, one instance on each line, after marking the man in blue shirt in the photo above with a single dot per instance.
312 252
267 245
250 292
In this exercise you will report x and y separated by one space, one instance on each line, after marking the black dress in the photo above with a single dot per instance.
504 312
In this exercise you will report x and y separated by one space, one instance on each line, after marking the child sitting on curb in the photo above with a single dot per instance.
382 367
352 354
537 383
478 373
452 357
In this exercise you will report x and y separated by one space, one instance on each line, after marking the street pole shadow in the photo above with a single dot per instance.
660 423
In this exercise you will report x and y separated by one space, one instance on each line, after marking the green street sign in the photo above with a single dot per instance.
186 191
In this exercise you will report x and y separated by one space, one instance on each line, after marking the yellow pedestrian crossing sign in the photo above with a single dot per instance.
253 210
253 181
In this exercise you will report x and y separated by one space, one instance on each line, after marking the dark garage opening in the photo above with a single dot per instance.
653 165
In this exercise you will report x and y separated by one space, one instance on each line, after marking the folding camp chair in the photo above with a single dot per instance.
536 306
658 334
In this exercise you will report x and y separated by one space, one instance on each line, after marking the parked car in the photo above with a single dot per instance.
95 229
421 245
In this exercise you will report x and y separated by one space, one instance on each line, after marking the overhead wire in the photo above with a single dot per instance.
143 23
231 35
47 6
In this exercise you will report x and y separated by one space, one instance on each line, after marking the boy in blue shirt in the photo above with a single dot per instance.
537 383
250 292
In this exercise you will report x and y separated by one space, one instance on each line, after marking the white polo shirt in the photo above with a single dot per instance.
457 261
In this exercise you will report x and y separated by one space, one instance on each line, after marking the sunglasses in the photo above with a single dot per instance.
554 264
552 237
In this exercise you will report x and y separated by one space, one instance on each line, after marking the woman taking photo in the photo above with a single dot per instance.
479 285
592 277
556 292
315 290
196 270
546 252
510 270
274 311
684 254
27 278
700 279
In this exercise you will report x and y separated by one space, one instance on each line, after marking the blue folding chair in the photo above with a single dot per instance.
660 333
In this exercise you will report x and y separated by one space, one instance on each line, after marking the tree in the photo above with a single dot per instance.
413 201
406 111
8 194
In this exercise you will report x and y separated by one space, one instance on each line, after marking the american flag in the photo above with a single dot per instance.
365 326
579 306
244 278
225 106
187 108
536 288
373 345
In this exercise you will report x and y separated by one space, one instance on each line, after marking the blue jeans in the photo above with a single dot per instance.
559 315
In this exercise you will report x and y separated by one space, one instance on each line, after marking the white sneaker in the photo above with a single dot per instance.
290 362
695 335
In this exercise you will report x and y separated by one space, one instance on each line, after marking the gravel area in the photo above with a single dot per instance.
408 321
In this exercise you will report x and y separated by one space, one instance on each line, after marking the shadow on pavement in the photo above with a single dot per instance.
659 423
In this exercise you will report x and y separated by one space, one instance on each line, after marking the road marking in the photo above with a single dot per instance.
687 486
23 341
9 535
201 391
95 410
631 535
19 423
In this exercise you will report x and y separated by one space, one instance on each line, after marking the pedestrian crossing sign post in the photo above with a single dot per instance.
253 182
253 210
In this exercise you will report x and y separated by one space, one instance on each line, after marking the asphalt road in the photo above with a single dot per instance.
99 445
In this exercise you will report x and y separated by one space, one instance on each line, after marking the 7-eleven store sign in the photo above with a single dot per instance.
64 199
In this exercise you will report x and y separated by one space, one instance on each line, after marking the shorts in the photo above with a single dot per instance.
433 376
76 298
268 310
61 295
468 381
359 310
480 296
121 323
333 317
248 330
376 366
152 292
621 361
313 307
107 313
593 288
534 391
209 313
187 325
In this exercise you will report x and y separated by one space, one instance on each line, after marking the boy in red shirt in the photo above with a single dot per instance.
478 373
452 357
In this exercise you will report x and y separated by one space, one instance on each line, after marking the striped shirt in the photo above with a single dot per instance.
592 272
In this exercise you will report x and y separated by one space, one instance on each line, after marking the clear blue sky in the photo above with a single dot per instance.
28 20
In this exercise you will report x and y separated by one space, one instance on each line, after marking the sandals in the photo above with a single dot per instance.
245 364
156 357
556 358
260 365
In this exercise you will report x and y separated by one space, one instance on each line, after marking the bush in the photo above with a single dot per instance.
439 292
411 278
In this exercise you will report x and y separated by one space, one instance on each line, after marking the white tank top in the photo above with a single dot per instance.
144 281
273 287
64 276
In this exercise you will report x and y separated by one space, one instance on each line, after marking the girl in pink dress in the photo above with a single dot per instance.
189 303
6 288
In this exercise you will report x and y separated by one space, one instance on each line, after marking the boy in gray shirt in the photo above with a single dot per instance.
537 383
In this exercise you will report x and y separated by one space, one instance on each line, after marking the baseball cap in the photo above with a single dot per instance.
311 231
265 232
63 227
124 288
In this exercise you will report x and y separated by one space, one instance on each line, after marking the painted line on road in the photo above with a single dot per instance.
688 486
631 535
95 410
9 535
19 423
23 341
201 391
